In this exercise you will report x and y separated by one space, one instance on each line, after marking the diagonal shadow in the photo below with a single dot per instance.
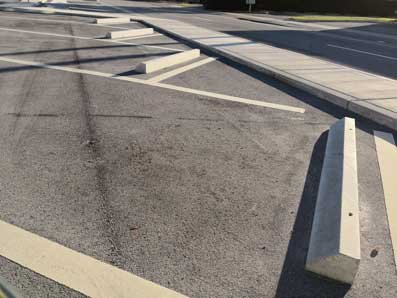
128 73
294 280
81 61
316 43
65 50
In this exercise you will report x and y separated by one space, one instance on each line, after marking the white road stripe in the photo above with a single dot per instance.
230 98
160 85
362 52
387 158
180 70
44 33
62 22
73 269
89 38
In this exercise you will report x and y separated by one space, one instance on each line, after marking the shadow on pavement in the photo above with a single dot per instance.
339 46
294 280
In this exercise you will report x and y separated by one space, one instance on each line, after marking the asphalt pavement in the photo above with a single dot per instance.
201 195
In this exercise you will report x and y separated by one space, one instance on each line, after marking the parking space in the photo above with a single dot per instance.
201 177
75 44
61 26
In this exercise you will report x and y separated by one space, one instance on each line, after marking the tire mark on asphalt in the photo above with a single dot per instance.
26 91
22 125
92 143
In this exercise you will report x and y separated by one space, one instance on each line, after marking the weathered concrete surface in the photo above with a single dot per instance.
129 33
167 61
334 249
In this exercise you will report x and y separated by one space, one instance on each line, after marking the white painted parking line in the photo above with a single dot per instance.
387 159
230 98
159 85
143 45
73 269
61 22
362 52
89 38
180 70
43 33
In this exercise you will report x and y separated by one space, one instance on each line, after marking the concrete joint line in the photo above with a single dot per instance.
334 249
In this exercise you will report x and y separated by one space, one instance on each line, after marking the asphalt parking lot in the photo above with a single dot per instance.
170 180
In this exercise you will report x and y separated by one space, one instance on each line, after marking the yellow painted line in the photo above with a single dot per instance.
180 70
73 269
387 158
159 85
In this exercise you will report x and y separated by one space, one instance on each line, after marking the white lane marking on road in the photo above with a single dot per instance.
62 22
180 70
89 38
387 158
160 85
362 52
75 270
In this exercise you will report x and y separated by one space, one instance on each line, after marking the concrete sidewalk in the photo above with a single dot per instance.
371 96
320 26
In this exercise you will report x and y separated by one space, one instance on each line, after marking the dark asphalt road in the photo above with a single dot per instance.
376 54
204 196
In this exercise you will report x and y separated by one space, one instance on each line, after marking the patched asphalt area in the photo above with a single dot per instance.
206 197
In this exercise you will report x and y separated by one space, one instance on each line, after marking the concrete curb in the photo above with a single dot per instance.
334 249
129 33
108 21
167 61
349 103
